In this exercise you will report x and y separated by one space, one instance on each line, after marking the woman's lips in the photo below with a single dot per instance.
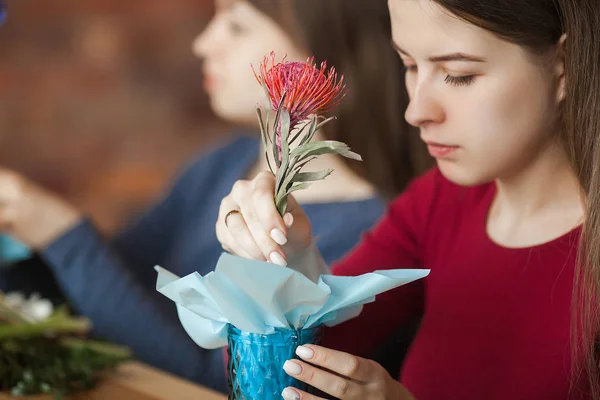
210 82
438 150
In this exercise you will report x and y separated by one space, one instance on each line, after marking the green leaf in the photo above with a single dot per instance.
299 133
282 201
269 162
274 148
311 132
263 135
275 126
281 204
268 109
301 165
299 186
283 170
279 108
324 147
312 176
282 188
285 133
299 177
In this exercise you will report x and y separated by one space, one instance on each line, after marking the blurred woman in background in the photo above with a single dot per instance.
113 282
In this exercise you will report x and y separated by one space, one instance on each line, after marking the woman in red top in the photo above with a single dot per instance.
505 94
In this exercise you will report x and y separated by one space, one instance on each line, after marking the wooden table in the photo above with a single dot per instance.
135 381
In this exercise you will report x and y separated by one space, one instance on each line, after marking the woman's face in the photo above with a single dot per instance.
485 107
239 35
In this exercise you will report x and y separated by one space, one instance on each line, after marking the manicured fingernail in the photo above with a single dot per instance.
288 219
290 394
305 352
277 258
278 237
292 368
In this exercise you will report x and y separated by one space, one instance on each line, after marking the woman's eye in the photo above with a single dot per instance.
459 80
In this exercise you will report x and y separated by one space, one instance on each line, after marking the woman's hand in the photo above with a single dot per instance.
30 213
250 226
341 375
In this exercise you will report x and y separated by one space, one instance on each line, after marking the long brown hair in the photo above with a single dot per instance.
354 36
539 25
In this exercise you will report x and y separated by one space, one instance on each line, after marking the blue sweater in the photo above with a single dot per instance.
112 282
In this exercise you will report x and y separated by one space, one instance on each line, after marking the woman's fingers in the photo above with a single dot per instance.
241 234
259 213
338 386
250 225
233 233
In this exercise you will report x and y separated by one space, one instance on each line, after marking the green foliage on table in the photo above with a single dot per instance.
51 356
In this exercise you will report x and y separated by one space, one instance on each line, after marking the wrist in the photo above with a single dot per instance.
45 219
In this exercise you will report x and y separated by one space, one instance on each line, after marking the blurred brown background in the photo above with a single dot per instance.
102 100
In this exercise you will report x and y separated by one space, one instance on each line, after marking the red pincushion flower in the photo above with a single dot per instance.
308 89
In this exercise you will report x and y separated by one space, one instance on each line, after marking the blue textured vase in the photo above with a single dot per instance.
256 361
